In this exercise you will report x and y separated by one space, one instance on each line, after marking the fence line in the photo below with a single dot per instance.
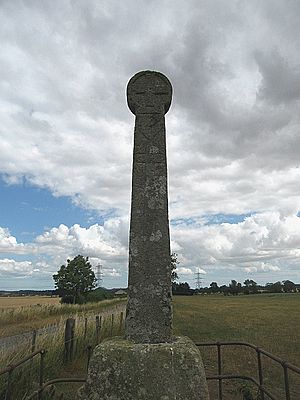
260 383
220 377
23 338
69 347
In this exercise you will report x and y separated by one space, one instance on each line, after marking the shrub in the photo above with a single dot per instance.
98 294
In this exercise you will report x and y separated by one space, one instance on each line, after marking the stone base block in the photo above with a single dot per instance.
123 370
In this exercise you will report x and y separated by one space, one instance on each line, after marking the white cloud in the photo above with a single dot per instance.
9 244
105 244
262 267
184 271
266 242
6 240
9 267
66 126
232 131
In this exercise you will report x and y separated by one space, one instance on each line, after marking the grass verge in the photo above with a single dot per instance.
27 318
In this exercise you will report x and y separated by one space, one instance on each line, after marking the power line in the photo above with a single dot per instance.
99 275
198 280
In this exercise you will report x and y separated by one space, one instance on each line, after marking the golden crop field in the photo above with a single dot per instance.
23 301
23 314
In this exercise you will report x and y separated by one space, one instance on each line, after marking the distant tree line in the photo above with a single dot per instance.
27 292
235 288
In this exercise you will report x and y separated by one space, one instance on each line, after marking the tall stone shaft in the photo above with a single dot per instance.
149 308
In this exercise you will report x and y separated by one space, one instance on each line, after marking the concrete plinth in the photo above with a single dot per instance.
123 370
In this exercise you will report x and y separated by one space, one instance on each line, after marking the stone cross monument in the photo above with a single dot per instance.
149 363
149 312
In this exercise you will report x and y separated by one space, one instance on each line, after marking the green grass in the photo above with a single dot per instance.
271 321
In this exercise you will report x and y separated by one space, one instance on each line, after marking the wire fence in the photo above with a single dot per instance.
73 340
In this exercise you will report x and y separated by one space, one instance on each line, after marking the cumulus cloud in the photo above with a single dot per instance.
262 267
263 243
232 131
105 244
10 267
184 271
9 244
96 241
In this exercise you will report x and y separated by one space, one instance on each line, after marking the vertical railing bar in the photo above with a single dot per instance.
41 377
220 371
89 354
85 328
260 373
286 381
8 386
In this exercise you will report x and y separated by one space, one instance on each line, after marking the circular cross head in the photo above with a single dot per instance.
149 92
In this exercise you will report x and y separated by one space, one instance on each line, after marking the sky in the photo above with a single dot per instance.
233 135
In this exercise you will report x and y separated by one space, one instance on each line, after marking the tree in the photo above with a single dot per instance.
274 287
250 286
224 289
214 288
233 288
289 286
182 288
75 279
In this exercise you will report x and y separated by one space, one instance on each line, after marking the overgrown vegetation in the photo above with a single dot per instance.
22 319
25 378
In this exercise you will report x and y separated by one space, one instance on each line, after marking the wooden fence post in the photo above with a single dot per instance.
112 325
85 328
69 339
98 327
121 322
33 341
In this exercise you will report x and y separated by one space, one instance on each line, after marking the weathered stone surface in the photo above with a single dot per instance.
149 311
120 369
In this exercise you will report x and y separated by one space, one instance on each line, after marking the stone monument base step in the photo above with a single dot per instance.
122 370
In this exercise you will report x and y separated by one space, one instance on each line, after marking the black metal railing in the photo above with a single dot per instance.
220 377
10 369
259 383
38 393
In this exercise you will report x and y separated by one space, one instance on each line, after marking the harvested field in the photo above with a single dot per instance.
24 301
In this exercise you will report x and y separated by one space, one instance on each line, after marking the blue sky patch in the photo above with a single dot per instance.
27 211
211 219
216 219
